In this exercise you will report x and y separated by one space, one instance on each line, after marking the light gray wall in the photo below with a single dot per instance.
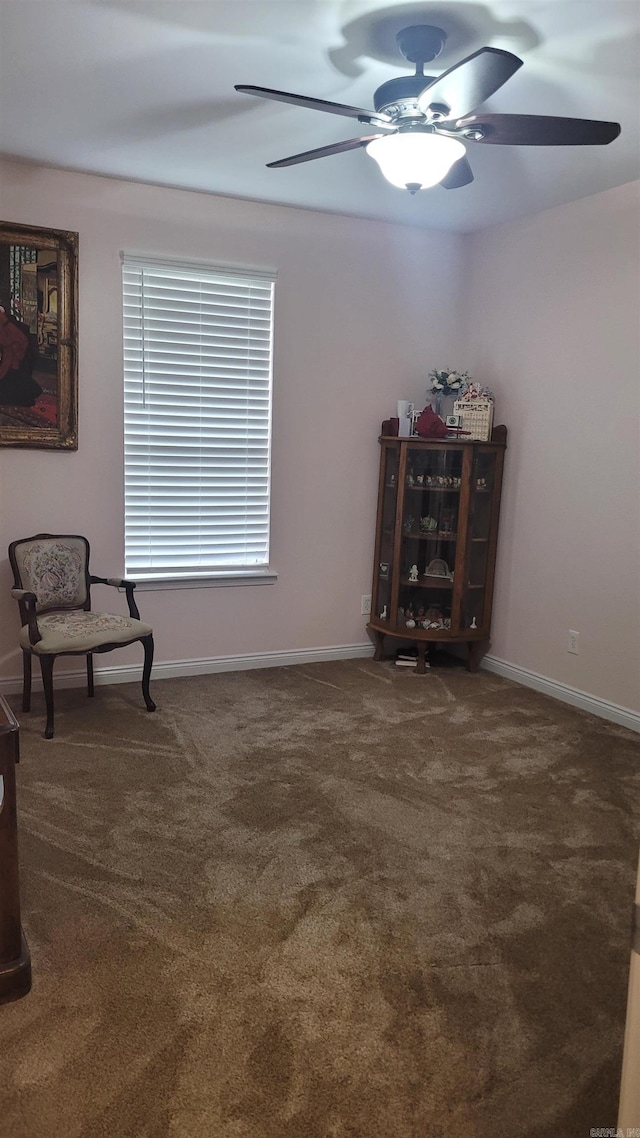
357 325
552 317
545 311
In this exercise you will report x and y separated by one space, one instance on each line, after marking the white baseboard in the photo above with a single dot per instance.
163 670
624 716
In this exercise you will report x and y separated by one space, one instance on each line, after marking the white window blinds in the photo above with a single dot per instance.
197 378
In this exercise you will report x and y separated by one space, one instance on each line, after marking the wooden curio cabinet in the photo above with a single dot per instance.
436 536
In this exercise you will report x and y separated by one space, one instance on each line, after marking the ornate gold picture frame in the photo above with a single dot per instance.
38 337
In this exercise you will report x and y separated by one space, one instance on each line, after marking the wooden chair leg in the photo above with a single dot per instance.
89 674
147 642
26 680
46 666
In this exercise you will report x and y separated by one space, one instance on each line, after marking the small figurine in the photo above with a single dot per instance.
392 480
446 522
383 614
413 573
420 479
438 568
407 524
410 479
473 623
410 623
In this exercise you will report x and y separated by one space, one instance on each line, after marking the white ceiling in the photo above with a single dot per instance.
144 89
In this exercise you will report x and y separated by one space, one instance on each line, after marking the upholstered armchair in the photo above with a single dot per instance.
53 590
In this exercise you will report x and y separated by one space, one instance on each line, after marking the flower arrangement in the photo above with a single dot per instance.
447 382
474 391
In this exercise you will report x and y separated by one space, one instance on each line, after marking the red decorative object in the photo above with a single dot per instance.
429 425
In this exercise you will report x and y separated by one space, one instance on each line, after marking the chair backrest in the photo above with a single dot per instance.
53 566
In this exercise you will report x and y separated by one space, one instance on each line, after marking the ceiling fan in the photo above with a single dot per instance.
423 122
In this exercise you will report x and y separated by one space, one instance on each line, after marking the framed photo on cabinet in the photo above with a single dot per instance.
38 337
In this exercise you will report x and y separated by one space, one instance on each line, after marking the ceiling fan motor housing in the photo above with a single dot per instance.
419 44
404 89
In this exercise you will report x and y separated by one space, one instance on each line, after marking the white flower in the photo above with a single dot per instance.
447 381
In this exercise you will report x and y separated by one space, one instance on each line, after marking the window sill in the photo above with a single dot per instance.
204 581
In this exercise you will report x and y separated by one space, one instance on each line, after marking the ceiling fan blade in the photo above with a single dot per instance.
324 151
459 175
373 117
467 84
537 130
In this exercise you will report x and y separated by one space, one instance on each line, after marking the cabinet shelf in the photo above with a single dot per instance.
429 583
438 489
431 536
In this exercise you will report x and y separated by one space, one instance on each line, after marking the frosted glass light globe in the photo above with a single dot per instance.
415 159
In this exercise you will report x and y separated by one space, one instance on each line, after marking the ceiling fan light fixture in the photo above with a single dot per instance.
415 159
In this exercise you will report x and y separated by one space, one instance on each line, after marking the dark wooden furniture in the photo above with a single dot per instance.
629 1115
15 965
53 591
436 535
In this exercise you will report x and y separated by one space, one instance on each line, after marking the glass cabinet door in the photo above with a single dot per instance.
381 600
429 538
474 611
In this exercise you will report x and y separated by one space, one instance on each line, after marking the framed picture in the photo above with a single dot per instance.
38 337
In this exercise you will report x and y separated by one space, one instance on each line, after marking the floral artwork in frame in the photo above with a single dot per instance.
38 337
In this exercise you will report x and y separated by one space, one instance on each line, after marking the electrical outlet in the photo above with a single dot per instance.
572 646
365 605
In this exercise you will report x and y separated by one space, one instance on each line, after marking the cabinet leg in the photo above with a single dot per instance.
379 646
422 654
477 649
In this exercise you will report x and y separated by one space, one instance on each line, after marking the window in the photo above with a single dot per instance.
197 381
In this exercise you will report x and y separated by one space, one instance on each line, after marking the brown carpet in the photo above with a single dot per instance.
329 901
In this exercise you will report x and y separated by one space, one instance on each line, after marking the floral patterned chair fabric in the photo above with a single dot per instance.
54 570
53 589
